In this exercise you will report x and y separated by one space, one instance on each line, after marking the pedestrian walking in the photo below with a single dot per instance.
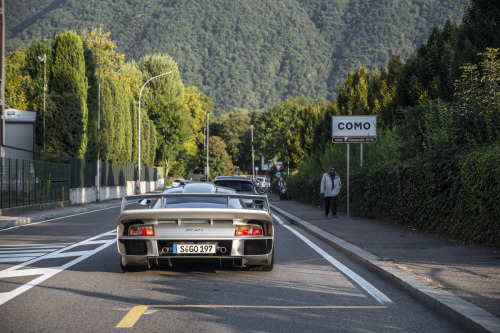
330 188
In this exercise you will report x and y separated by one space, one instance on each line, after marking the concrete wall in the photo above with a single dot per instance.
89 194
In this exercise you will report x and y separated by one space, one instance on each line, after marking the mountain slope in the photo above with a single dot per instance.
248 53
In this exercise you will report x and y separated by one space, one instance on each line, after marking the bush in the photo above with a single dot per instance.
477 214
444 191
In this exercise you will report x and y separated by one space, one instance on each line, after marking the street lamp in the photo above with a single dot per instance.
108 28
207 177
44 60
253 161
139 138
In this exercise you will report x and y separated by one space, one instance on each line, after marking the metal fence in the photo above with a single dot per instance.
27 182
83 173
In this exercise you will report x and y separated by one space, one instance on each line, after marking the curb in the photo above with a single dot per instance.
460 312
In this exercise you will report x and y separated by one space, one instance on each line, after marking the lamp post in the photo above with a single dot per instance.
253 160
139 138
108 28
44 60
207 177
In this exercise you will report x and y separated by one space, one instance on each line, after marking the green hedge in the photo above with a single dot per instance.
448 193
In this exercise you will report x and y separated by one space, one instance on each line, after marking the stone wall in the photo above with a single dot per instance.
89 194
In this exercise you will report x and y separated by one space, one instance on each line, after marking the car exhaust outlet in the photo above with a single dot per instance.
223 250
164 250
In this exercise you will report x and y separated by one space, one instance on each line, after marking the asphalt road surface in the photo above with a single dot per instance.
64 275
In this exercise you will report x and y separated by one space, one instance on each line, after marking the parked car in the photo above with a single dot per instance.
263 183
179 182
199 221
241 185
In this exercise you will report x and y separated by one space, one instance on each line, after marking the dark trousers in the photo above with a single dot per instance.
331 201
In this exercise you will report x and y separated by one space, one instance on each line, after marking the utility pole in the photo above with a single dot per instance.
207 177
253 159
2 77
44 60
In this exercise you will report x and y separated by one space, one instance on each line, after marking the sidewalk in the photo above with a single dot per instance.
432 269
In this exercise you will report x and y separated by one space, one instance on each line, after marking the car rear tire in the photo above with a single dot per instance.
132 268
264 268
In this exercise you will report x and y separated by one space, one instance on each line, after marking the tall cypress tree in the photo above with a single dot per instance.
68 91
36 50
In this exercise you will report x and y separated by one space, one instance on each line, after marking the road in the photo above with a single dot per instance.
64 275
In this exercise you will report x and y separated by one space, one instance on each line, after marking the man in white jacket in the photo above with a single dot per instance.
330 188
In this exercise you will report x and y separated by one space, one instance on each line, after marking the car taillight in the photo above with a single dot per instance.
248 230
141 230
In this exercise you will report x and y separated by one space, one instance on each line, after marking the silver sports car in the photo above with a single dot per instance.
197 221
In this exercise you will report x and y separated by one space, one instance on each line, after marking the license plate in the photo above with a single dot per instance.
195 248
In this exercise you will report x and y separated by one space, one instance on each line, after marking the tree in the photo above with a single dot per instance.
68 91
197 106
130 79
163 97
478 97
234 129
220 162
311 118
18 87
116 123
36 50
172 131
352 97
110 63
169 87
279 133
478 31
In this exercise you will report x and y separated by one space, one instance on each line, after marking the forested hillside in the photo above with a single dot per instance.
246 54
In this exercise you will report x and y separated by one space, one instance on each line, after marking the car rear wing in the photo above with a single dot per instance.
258 202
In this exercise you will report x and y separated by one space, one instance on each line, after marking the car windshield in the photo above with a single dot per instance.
236 185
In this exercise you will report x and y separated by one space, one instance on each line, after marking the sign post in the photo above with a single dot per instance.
355 129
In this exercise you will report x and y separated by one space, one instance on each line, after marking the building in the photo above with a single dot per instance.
19 134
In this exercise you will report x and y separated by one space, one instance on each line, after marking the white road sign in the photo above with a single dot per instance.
354 128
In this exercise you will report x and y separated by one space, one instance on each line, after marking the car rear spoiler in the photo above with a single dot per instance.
261 202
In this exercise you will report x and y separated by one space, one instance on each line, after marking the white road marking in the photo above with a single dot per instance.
25 253
15 255
40 250
46 273
379 296
56 218
18 259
